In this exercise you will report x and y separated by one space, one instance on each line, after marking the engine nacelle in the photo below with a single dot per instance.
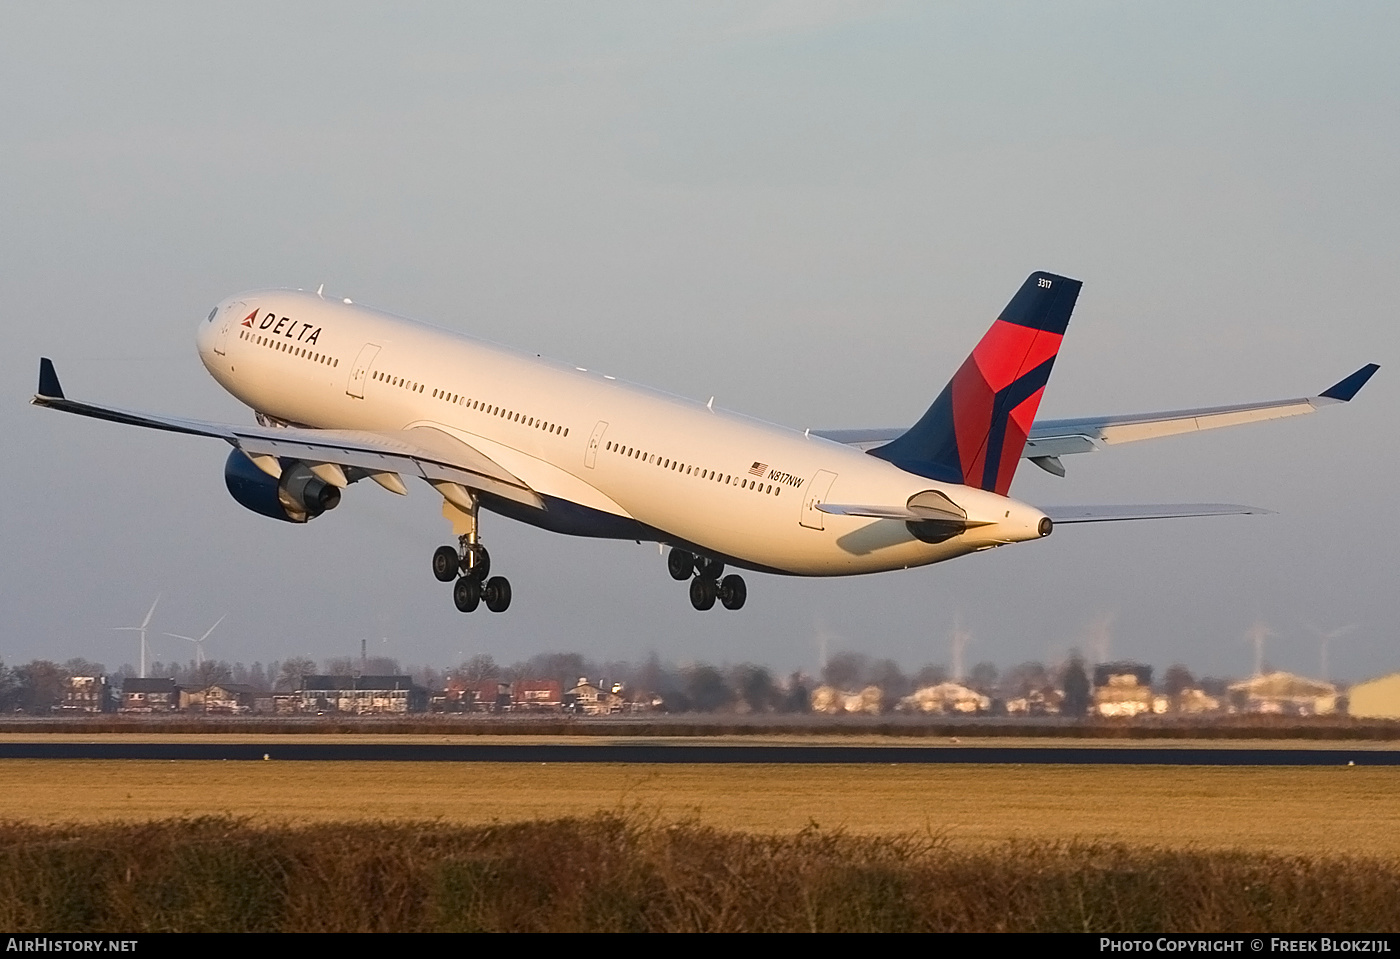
295 498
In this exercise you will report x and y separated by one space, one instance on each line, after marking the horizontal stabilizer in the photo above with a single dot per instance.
1118 514
914 513
871 512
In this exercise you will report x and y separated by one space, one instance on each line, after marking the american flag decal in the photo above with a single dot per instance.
758 469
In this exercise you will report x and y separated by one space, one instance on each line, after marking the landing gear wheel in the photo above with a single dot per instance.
680 564
466 594
445 564
733 592
702 593
497 594
476 564
708 568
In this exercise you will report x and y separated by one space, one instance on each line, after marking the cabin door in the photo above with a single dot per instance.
815 493
358 375
590 455
226 326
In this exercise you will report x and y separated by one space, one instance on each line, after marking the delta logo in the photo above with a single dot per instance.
283 326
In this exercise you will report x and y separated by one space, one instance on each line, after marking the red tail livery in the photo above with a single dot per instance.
976 430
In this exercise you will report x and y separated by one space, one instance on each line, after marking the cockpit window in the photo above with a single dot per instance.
211 315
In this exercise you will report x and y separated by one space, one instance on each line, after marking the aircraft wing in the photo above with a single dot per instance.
438 458
1051 439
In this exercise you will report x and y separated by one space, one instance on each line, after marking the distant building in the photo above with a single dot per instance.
1122 697
1037 702
471 695
1124 690
945 698
1194 702
485 696
286 704
594 700
833 701
87 694
1377 698
149 695
827 699
1284 694
221 699
362 695
1104 673
454 697
536 695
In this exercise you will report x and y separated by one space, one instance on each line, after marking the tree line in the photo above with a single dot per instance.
40 685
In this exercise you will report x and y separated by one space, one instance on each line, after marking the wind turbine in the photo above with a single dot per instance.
199 643
1256 634
1101 635
958 640
142 630
1326 637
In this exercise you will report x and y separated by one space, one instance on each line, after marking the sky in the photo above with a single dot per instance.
810 210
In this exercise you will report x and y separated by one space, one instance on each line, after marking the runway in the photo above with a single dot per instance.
641 753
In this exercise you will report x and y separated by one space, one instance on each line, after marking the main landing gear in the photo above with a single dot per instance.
707 586
467 566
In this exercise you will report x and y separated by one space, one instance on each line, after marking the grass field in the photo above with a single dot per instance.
1294 810
609 873
278 845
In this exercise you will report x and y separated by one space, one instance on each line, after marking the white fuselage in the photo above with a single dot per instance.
609 458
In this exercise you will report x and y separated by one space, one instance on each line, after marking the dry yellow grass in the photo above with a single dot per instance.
1306 810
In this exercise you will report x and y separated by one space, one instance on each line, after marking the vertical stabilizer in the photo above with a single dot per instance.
976 430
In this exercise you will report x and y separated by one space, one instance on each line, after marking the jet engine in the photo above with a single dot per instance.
296 497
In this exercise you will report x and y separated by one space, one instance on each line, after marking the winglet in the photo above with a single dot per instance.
1350 386
48 380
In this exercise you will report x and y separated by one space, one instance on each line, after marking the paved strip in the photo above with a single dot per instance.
725 753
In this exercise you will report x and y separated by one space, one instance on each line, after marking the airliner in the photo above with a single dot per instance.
343 393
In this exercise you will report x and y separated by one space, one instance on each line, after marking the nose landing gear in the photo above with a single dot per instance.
707 586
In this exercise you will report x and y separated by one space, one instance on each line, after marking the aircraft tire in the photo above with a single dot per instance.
466 594
445 562
497 594
702 593
680 564
733 592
